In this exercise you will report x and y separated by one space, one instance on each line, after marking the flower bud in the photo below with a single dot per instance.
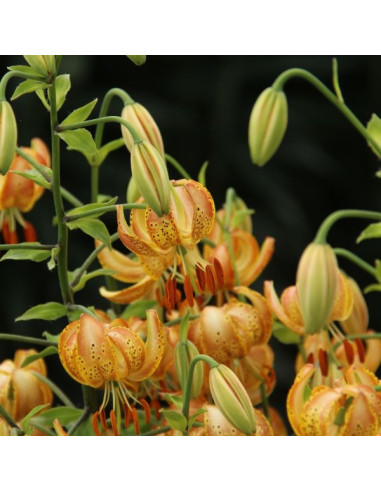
267 125
198 373
138 116
231 398
133 194
317 282
151 176
45 64
8 136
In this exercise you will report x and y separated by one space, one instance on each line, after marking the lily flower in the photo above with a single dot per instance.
18 195
111 356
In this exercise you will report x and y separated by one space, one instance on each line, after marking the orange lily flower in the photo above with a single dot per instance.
20 390
111 356
163 243
18 194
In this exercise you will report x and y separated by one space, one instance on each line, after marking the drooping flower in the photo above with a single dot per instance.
18 194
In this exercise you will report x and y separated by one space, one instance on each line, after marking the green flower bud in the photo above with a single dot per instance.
132 191
198 373
137 59
317 281
8 136
232 399
151 176
267 125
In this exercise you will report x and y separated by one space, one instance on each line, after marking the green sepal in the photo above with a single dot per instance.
284 335
28 429
94 228
44 353
80 114
26 254
28 86
35 176
176 420
370 232
138 308
48 311
63 85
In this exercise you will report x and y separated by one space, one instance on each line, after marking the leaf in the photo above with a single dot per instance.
372 288
80 139
26 254
194 417
53 256
63 85
138 308
80 114
44 353
377 264
49 311
89 276
28 86
178 401
34 176
372 231
176 420
50 337
138 60
109 147
64 414
202 173
41 94
85 429
25 421
284 334
93 227
27 71
92 207
374 129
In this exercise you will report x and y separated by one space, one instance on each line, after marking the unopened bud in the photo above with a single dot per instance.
198 374
45 64
146 127
317 282
151 176
133 194
231 398
8 136
137 59
267 125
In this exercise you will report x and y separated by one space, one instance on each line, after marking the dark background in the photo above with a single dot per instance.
202 106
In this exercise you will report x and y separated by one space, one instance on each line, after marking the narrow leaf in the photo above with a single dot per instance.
96 273
80 140
192 419
34 176
44 353
26 254
285 335
25 421
48 311
26 87
64 414
91 207
26 70
109 147
80 114
41 94
202 173
178 401
50 337
93 227
372 231
63 85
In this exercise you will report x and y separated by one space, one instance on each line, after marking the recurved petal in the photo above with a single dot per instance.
129 294
162 230
251 262
319 412
361 418
204 211
343 305
292 317
66 349
128 349
296 397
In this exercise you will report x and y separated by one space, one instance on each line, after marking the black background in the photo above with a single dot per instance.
202 106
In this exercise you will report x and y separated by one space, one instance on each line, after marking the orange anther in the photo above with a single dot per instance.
135 420
147 410
349 353
323 362
156 405
159 297
201 277
30 233
210 280
102 416
127 415
10 237
360 349
219 272
310 358
113 423
94 423
188 290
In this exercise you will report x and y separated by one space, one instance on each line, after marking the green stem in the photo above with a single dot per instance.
94 183
176 321
90 398
27 246
4 81
43 429
69 197
331 96
176 164
115 92
321 236
77 423
9 420
56 390
36 165
83 309
356 260
62 262
31 340
155 432
103 210
106 119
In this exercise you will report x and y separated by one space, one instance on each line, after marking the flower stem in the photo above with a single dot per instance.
356 260
103 210
23 246
9 420
31 340
154 432
22 75
176 164
178 320
56 390
82 418
331 96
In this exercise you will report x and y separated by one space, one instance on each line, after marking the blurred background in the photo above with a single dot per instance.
202 105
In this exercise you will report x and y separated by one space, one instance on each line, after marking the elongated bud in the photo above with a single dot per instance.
231 398
317 281
144 124
45 64
137 59
132 191
267 125
151 176
8 136
198 374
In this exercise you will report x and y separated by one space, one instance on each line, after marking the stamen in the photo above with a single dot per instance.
323 362
159 297
102 417
201 277
113 423
210 280
349 353
156 406
219 272
147 410
310 358
188 290
30 233
170 292
136 420
10 236
94 423
360 349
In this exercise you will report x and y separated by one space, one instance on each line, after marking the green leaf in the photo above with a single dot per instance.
85 429
378 174
377 264
26 254
92 207
138 308
41 94
178 401
53 256
194 417
372 231
137 59
80 139
27 71
93 227
88 276
63 85
49 311
50 337
44 353
109 147
176 420
80 114
26 87
284 334
202 173
372 288
34 176
374 129
64 414
25 421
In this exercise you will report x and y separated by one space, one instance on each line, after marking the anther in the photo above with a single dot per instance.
135 420
147 410
113 423
219 272
30 233
210 280
200 277
310 358
188 290
159 297
94 423
323 362
102 416
10 237
127 415
156 406
360 349
349 353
